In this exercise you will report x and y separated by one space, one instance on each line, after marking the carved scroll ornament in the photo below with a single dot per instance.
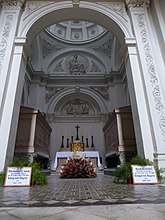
11 4
137 3
152 74
4 40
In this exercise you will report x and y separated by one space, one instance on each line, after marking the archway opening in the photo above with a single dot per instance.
92 69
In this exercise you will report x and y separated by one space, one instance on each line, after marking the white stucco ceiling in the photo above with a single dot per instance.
76 31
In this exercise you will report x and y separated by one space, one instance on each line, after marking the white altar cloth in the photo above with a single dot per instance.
67 154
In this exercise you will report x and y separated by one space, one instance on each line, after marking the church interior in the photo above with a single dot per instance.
75 90
82 92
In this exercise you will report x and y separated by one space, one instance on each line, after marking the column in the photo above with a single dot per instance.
32 129
120 137
153 91
119 128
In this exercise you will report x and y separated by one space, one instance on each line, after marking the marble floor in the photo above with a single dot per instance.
77 192
80 199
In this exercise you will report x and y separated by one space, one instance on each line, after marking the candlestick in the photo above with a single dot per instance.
62 143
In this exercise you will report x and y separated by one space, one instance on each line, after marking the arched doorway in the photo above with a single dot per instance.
111 18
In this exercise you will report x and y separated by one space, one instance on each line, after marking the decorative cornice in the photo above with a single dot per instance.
137 3
13 4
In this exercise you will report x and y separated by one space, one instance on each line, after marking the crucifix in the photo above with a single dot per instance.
77 138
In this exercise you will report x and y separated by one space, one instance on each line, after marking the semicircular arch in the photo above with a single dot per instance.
90 54
49 14
87 94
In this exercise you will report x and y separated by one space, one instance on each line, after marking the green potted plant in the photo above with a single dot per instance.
137 160
122 173
2 178
38 177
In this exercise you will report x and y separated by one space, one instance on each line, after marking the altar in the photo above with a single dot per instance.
92 155
77 147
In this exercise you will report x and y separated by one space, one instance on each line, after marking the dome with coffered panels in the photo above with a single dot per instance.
76 32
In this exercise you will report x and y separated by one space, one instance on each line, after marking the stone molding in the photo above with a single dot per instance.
136 4
117 7
33 6
55 118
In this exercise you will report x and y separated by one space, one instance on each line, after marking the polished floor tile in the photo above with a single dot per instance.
70 192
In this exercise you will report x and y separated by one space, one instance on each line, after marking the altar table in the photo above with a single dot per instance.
86 154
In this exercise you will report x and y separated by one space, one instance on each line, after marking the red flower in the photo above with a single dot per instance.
77 168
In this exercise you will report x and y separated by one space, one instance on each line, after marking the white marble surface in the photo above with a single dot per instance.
110 212
90 154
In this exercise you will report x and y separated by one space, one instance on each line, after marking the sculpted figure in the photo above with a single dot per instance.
76 67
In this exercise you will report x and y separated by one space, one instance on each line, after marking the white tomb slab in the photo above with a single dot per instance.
87 154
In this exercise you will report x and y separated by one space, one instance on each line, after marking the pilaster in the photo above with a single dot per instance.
11 57
143 130
8 23
154 99
11 104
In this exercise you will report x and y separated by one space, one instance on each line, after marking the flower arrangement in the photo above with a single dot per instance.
77 167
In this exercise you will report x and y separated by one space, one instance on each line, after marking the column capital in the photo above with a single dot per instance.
12 4
136 4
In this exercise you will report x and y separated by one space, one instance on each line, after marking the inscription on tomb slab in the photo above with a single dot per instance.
144 174
16 176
